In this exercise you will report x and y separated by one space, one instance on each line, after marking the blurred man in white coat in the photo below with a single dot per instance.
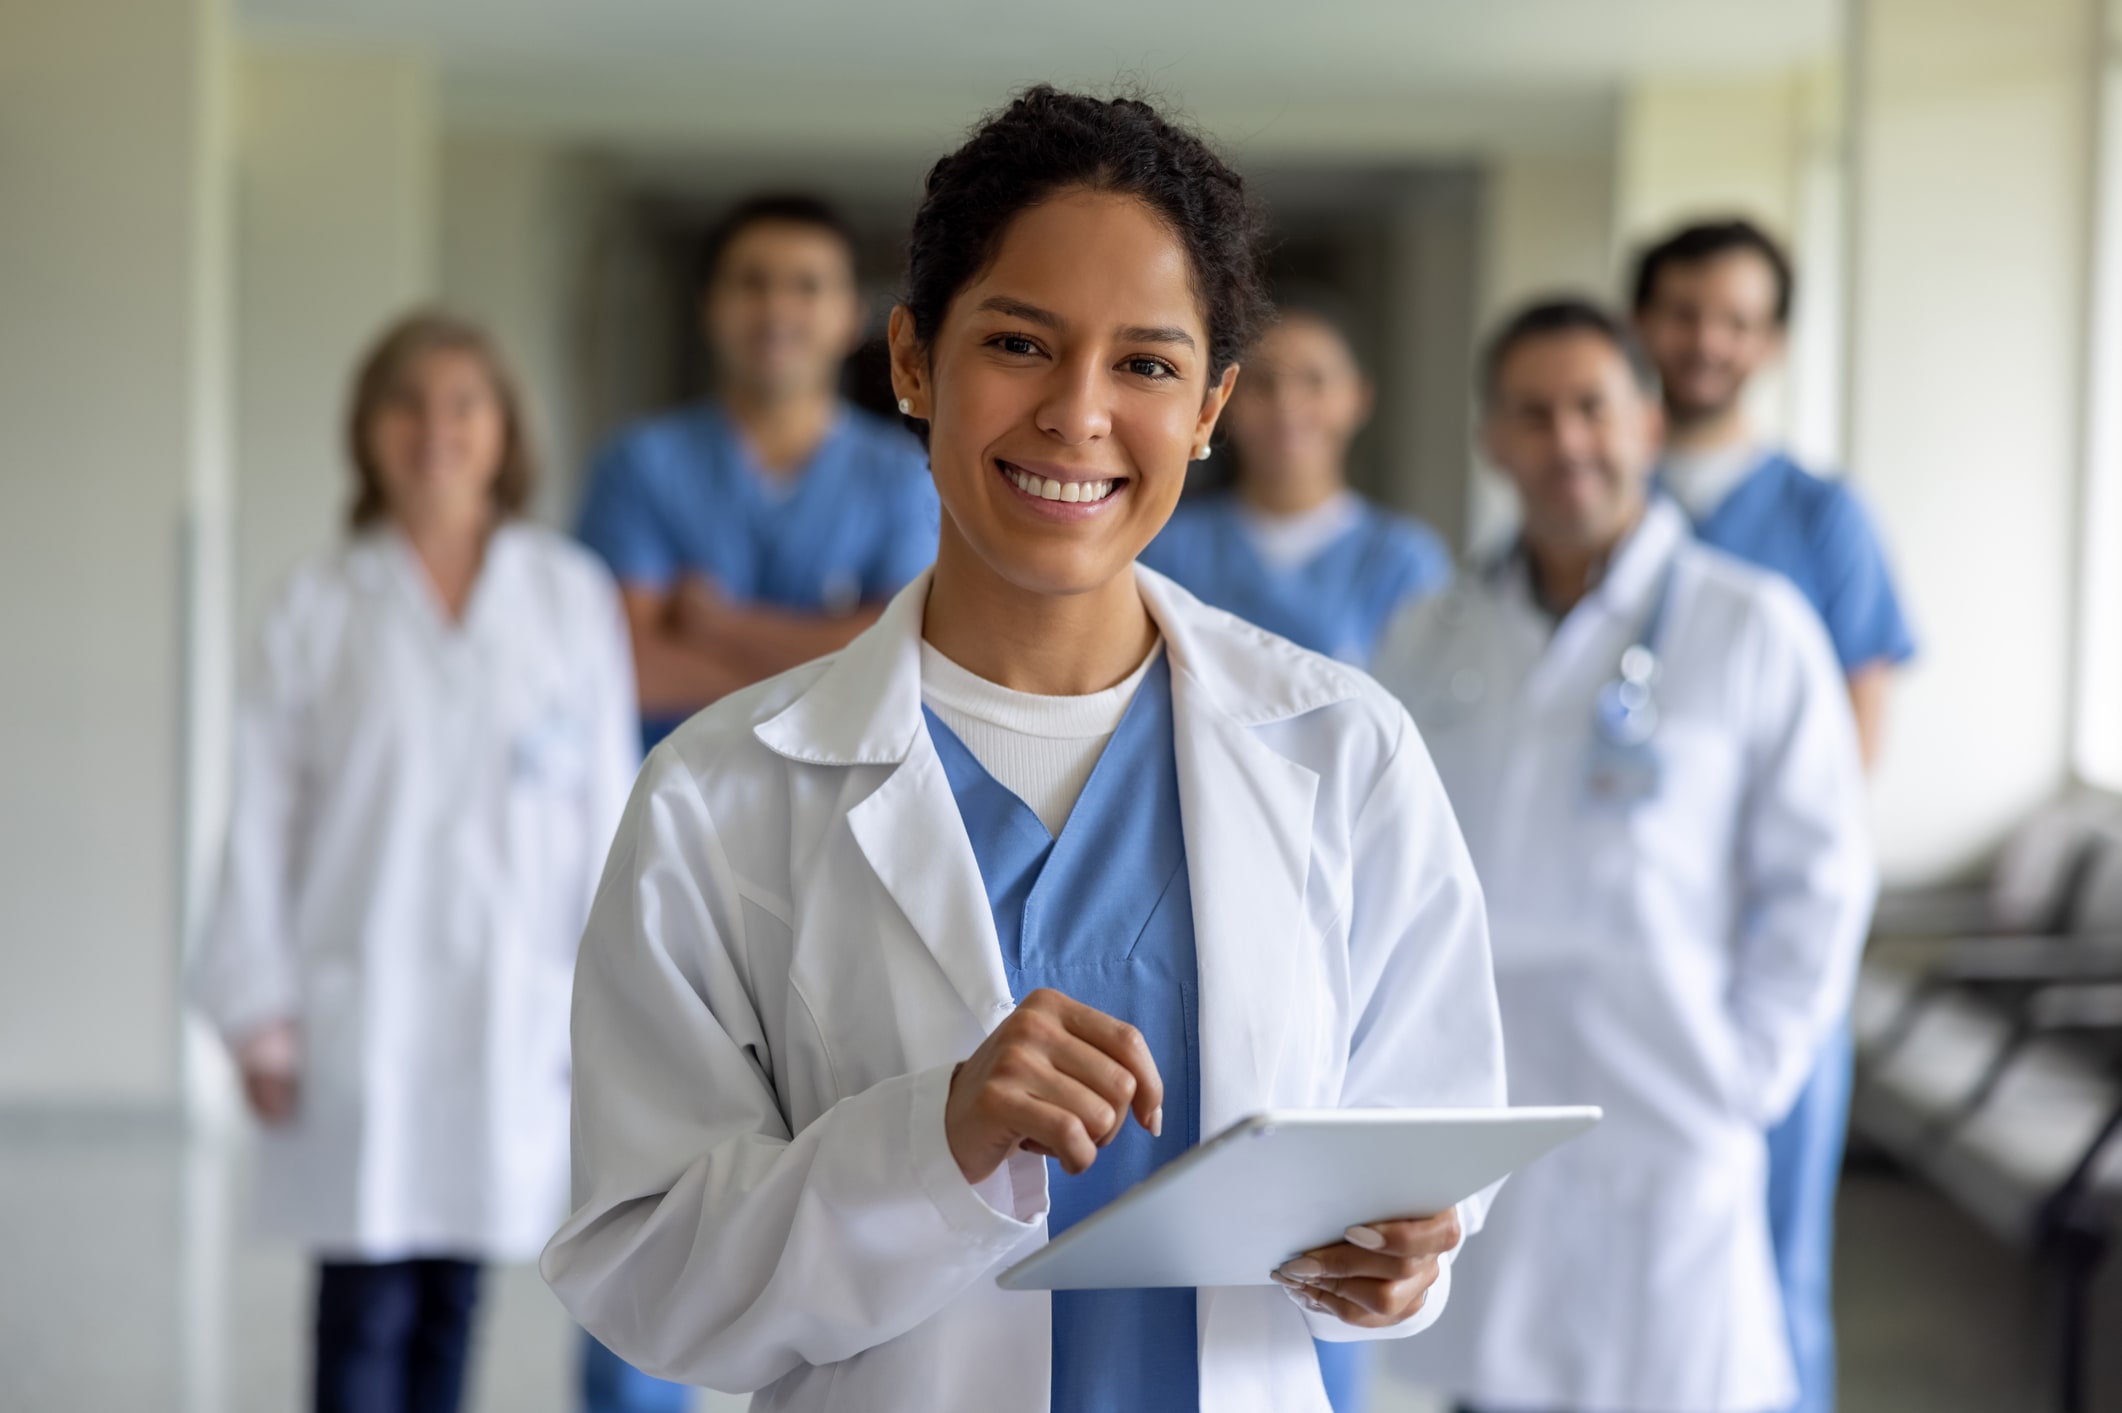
1651 753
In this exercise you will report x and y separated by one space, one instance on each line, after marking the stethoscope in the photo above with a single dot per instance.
1625 713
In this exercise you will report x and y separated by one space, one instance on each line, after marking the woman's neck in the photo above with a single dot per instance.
451 550
783 432
1292 494
1054 645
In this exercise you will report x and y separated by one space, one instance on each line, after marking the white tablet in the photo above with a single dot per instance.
1268 1187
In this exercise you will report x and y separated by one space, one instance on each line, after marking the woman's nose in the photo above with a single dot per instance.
1075 407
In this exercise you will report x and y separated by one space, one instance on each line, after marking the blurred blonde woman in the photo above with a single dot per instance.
434 739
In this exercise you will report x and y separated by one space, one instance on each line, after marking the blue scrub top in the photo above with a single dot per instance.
1337 603
1815 533
1104 913
681 493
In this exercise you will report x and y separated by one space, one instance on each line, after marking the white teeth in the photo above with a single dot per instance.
1067 492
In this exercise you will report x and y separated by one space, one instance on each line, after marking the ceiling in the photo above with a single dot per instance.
1361 76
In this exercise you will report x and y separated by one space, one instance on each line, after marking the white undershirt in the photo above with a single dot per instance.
1289 542
1700 480
1042 749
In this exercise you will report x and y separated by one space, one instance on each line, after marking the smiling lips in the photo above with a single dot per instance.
1066 492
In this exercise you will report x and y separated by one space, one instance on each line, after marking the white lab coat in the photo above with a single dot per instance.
791 948
1676 961
420 810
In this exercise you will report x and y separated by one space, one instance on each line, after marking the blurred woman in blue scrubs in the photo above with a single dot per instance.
1291 547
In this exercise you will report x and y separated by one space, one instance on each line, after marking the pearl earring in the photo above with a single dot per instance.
906 406
1201 452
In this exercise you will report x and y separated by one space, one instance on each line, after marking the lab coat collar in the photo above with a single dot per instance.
1622 596
1248 813
865 707
381 559
1633 575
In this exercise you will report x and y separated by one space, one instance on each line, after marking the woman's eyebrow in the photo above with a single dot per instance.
1141 333
1018 309
1047 319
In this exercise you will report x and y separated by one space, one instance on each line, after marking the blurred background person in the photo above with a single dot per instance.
768 525
1712 303
1647 745
434 741
1289 545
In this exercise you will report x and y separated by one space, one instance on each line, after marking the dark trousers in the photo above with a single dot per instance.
393 1336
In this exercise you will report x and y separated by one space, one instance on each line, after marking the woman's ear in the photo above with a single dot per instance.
1212 406
910 383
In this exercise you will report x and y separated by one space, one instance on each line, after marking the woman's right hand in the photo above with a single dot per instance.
270 1062
1058 1078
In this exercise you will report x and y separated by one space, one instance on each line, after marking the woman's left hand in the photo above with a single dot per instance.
1380 1276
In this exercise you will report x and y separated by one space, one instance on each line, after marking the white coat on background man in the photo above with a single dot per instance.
793 948
421 807
1671 945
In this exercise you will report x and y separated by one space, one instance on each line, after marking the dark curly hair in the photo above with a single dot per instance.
1048 141
1693 245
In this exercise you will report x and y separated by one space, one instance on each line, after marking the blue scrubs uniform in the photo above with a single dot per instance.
681 493
1337 603
1816 534
1103 913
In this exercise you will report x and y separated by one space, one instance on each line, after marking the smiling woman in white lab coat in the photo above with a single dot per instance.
1649 747
913 955
434 741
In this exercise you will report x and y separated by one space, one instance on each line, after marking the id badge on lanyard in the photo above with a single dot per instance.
1621 777
1626 768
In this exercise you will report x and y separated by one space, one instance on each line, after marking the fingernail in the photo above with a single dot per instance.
1369 1238
1302 1268
1156 1123
1317 1307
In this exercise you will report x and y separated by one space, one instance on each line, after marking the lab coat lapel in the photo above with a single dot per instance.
865 709
909 830
1617 606
1248 823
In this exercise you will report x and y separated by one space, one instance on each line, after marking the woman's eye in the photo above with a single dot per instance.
1014 343
1150 368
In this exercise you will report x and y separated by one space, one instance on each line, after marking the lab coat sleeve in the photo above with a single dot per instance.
710 1244
1805 864
244 975
1427 1032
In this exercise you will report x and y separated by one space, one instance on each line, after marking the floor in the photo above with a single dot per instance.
125 1283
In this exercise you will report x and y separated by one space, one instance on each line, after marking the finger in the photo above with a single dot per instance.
1380 1302
1344 1262
1101 1117
1124 1044
1105 1076
1387 1302
1410 1236
1036 1058
1052 1128
1326 1302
